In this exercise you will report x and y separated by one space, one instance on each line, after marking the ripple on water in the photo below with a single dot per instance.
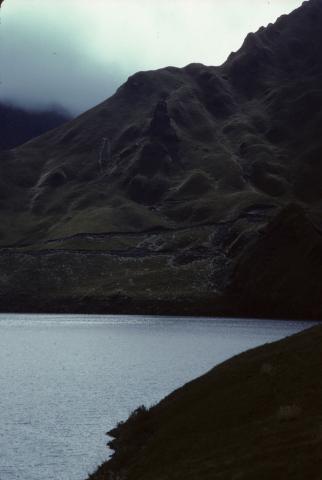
66 379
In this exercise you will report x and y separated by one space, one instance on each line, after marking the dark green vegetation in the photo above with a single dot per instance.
255 416
194 190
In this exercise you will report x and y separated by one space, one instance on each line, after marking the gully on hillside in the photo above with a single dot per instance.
158 198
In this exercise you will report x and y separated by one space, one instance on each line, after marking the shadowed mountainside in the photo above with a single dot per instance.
254 416
157 199
19 125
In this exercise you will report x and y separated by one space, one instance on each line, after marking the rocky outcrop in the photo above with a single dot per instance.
176 183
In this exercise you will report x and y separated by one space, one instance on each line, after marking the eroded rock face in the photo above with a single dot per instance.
196 155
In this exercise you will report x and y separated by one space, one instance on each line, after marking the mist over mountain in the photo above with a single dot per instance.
20 125
155 199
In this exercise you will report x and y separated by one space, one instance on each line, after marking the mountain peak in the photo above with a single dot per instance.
178 173
282 49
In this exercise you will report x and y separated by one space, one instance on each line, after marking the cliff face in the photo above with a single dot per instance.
149 201
254 416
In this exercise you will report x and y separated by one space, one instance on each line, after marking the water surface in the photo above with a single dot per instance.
66 380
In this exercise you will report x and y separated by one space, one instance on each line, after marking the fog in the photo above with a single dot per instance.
75 53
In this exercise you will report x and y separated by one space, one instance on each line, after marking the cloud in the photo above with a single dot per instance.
44 61
77 52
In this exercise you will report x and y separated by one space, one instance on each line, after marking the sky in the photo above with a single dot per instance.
75 53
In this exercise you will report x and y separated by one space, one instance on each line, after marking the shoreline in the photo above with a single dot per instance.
256 415
205 307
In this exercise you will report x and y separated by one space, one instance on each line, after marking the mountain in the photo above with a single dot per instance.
19 125
254 416
165 197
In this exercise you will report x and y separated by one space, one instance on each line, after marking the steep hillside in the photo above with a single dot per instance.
279 274
257 415
150 200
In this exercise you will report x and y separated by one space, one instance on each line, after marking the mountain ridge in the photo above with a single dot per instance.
171 182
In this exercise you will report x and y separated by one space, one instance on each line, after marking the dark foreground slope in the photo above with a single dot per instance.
155 199
279 274
255 416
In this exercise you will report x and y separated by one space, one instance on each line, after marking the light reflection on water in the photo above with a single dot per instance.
66 379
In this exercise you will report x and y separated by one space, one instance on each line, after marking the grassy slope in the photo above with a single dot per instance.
240 136
191 181
274 274
279 273
257 415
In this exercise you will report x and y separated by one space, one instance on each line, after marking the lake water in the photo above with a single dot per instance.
66 380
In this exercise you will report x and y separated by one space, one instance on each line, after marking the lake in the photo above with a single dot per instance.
67 379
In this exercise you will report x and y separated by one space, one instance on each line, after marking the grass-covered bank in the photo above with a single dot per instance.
200 183
257 415
276 275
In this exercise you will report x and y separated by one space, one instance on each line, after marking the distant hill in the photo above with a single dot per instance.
171 196
254 416
20 125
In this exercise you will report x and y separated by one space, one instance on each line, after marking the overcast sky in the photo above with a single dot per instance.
77 52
